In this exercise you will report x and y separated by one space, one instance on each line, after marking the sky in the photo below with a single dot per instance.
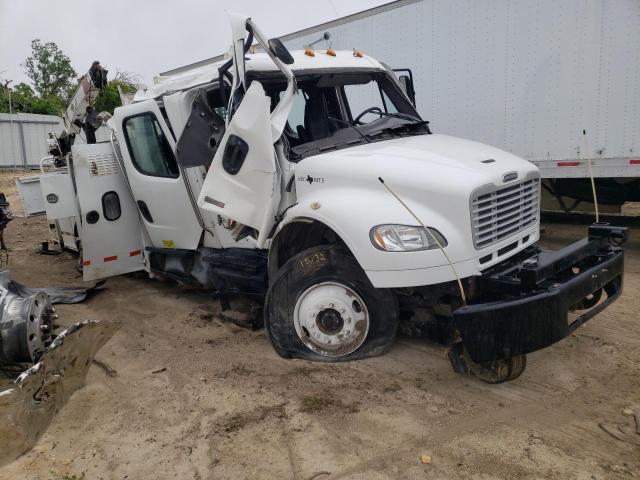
147 37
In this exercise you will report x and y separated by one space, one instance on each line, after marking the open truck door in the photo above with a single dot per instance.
110 229
243 182
148 151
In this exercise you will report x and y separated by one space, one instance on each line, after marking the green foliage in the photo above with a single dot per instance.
54 82
50 70
24 100
109 97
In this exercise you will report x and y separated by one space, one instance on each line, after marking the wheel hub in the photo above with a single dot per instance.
331 319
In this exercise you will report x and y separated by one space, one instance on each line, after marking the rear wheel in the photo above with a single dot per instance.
321 306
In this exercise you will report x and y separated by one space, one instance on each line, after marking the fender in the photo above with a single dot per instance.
351 214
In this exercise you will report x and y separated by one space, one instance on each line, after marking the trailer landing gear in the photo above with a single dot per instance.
495 371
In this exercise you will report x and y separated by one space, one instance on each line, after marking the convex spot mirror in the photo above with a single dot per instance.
280 51
407 85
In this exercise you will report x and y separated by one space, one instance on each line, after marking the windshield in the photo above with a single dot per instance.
339 110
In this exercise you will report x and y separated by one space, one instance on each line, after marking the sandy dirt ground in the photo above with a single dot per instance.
199 398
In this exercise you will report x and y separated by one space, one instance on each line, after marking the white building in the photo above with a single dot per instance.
23 138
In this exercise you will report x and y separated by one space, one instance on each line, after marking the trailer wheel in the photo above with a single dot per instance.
321 306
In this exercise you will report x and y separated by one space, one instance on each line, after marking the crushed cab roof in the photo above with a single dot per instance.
255 62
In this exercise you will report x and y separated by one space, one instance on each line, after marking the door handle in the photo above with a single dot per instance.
144 211
235 153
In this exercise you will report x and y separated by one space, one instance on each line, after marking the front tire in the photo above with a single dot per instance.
321 306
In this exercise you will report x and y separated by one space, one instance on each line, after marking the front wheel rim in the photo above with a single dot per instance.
331 319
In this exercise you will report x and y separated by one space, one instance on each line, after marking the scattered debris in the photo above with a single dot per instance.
620 434
318 474
28 406
56 294
108 370
31 395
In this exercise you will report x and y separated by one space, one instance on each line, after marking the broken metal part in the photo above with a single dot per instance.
26 326
56 294
495 371
28 404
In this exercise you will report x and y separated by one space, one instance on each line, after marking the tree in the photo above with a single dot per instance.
109 97
24 100
50 71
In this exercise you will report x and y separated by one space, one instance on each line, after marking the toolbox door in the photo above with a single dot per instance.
110 229
58 193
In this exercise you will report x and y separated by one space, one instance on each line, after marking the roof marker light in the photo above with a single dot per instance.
331 52
357 53
309 52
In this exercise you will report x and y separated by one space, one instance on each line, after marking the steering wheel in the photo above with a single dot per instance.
377 110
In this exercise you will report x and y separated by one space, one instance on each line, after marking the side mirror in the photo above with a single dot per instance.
280 51
407 85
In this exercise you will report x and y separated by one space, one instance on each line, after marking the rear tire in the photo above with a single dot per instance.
322 307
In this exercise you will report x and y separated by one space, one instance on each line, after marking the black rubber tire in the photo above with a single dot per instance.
318 265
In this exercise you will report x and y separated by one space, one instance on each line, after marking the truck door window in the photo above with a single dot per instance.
296 115
150 151
111 209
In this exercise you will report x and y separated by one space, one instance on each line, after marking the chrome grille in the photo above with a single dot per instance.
498 213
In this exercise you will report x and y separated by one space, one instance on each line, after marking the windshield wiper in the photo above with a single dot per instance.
352 125
403 116
404 126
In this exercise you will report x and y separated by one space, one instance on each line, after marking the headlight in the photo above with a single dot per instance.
405 238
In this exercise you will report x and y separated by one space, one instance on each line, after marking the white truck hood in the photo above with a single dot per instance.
440 157
436 175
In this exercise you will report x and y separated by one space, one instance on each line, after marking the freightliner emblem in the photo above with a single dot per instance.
507 177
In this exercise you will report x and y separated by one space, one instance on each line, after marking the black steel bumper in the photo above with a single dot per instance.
523 303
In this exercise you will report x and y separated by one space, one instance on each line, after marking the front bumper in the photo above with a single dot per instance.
523 303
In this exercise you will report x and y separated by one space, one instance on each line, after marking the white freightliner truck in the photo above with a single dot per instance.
309 179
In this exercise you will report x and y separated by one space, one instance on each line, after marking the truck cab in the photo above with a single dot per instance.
309 179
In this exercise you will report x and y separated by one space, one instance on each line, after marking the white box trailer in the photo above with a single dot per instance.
525 76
